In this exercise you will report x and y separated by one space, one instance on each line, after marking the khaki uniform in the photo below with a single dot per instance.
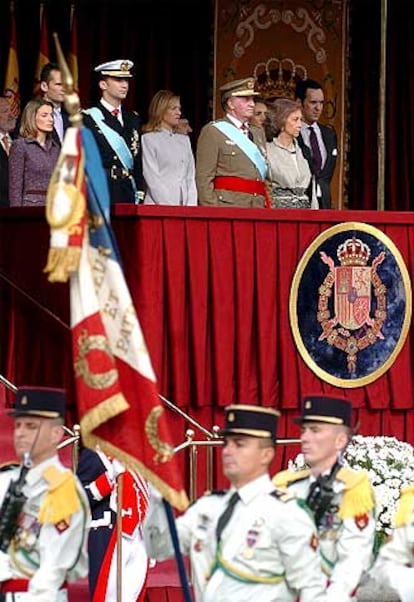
217 155
394 566
268 549
47 554
347 531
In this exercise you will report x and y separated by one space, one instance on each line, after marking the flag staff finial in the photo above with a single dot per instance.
72 102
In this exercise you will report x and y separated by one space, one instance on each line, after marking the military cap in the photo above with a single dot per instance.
239 87
43 402
120 68
255 421
321 408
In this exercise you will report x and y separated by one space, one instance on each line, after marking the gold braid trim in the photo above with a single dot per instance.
241 575
284 478
62 499
405 507
61 262
358 498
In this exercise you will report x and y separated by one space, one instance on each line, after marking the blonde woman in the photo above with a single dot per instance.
33 155
167 157
290 174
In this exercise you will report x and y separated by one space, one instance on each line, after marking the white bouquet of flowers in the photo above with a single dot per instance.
390 465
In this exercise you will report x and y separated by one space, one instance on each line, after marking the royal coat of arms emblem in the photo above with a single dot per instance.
350 304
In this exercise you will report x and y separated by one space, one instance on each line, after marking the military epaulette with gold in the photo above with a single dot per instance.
358 497
283 479
62 499
405 508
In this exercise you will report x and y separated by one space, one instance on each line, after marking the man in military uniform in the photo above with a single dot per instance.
251 542
231 167
46 546
341 498
394 566
108 484
117 133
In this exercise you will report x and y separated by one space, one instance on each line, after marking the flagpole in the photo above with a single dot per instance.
178 555
382 109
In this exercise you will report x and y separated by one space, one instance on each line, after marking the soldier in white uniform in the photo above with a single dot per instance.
47 547
266 548
341 498
394 566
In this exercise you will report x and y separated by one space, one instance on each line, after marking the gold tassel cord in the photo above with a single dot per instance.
62 498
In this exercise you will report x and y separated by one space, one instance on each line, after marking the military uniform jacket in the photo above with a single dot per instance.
394 566
268 551
347 532
120 188
217 155
323 180
46 554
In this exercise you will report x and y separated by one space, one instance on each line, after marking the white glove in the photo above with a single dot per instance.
5 569
117 468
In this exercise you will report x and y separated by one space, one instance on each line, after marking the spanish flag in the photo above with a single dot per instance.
44 52
11 84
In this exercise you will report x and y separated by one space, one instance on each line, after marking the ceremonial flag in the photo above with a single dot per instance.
117 392
73 50
11 83
44 52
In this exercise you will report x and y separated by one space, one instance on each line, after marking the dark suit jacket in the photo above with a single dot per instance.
323 179
66 124
121 189
4 178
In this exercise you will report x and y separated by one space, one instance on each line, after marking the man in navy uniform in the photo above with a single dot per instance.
340 497
250 542
47 547
117 133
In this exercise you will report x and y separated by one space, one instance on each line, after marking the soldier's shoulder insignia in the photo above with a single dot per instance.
218 492
62 499
283 479
405 507
282 495
358 497
62 526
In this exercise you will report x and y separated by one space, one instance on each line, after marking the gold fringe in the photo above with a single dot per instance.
282 479
405 507
62 498
358 498
61 262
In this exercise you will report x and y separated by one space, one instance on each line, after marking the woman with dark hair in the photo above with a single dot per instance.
33 155
290 174
167 157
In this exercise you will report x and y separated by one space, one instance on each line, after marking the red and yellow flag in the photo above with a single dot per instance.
73 50
44 52
11 84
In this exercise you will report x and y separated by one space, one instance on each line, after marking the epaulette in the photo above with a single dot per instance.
283 479
405 507
8 466
62 498
358 497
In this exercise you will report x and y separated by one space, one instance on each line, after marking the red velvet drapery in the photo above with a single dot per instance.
211 288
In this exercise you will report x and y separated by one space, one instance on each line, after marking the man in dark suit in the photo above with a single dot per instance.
318 142
52 88
7 127
117 133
